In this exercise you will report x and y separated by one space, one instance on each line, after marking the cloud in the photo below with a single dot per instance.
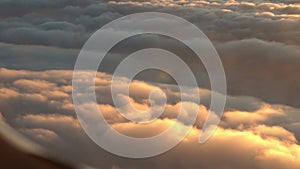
33 86
260 116
72 22
260 135
275 132
43 37
233 26
40 40
270 67
33 57
43 135
257 42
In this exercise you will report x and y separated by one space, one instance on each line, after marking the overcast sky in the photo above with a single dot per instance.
258 42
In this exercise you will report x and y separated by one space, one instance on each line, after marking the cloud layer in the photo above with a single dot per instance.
255 39
258 43
260 135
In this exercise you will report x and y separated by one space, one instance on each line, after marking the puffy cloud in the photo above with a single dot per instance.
260 116
223 23
258 134
50 121
43 135
73 22
258 44
234 26
33 86
255 148
275 132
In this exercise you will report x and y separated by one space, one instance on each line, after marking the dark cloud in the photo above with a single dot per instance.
262 69
266 27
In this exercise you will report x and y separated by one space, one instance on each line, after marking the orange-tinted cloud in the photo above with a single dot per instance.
252 134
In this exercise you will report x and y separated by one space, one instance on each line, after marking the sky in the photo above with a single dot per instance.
258 43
